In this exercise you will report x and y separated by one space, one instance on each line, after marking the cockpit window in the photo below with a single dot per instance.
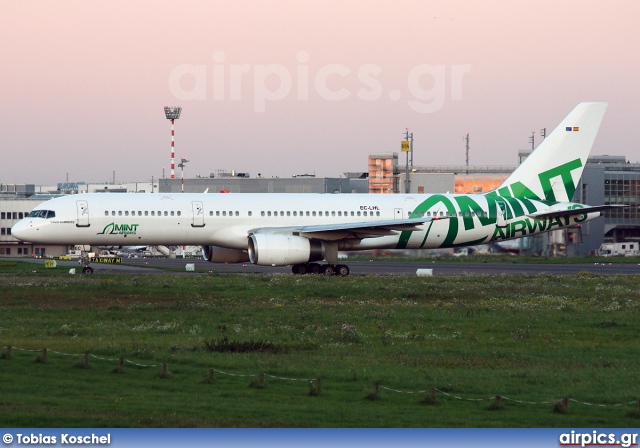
45 214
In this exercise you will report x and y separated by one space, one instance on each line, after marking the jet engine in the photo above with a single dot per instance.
283 250
217 254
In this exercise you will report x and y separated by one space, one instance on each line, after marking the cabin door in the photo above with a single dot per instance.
501 218
83 214
198 214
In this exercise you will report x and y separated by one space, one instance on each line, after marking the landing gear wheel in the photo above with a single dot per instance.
299 269
87 270
315 268
342 270
329 269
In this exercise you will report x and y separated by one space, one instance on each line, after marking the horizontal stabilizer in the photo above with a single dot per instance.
572 212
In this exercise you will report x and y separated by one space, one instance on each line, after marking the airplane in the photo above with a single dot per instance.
300 230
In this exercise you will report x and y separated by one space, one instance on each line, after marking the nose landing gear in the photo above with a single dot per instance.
85 260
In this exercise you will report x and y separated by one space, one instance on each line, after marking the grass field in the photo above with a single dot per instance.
533 338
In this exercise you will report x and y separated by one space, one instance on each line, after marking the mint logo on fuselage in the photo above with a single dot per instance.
513 201
119 229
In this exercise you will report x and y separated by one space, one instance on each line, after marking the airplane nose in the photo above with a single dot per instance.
21 230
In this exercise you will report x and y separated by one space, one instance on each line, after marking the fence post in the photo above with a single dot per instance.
319 384
433 393
164 369
212 375
262 379
121 363
44 355
8 351
565 402
376 389
86 359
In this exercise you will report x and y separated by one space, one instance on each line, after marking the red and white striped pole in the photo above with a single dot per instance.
172 113
172 152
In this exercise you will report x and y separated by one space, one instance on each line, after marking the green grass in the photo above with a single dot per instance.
529 338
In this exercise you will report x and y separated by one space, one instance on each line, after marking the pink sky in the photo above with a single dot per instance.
84 83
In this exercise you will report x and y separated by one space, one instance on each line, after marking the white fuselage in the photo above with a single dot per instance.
226 220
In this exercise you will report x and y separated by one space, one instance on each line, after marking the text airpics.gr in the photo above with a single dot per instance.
274 82
596 438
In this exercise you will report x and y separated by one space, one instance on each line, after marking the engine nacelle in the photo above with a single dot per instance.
217 254
283 250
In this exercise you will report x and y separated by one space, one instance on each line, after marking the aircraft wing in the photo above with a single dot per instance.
572 212
370 229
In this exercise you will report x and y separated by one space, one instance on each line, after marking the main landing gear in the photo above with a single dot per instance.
341 270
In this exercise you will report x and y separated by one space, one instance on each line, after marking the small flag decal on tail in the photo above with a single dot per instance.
572 129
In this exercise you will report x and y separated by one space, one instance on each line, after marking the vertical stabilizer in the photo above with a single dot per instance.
553 169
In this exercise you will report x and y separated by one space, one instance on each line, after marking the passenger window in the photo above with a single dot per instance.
126 213
172 213
224 213
119 212
351 213
146 213
295 213
113 213
153 213
308 214
250 213
269 213
313 213
281 213
364 213
377 213
288 213
261 213
217 212
106 213
358 213
166 213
